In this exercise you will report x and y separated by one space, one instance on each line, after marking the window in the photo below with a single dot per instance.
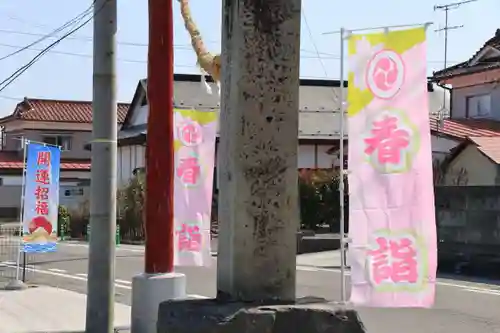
63 141
19 142
73 192
479 106
3 137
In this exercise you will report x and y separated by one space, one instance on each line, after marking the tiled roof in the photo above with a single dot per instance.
489 146
11 160
464 128
464 67
319 105
50 110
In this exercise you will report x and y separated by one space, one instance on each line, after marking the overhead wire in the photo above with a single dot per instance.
316 49
187 47
53 33
9 80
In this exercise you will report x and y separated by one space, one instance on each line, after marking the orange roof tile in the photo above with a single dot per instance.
34 109
11 160
464 128
489 146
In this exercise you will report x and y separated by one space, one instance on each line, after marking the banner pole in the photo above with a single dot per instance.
21 209
341 180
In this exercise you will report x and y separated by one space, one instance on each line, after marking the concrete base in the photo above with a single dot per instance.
16 285
309 315
148 291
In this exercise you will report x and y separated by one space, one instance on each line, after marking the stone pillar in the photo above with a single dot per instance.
258 197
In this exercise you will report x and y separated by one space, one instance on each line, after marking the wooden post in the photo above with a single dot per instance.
159 253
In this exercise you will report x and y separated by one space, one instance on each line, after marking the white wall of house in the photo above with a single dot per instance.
133 157
71 194
129 158
309 157
477 101
480 170
12 180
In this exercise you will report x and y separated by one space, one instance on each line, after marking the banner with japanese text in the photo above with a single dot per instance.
41 197
392 224
194 135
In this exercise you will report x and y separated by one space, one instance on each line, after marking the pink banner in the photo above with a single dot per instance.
195 133
392 224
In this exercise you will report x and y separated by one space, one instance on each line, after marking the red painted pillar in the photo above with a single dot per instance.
159 254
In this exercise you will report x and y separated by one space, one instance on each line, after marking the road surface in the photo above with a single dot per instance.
461 306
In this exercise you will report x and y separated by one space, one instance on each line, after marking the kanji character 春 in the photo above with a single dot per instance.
190 134
42 208
387 140
42 176
189 238
43 158
42 193
189 170
394 261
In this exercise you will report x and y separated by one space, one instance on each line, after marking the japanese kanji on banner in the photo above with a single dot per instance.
391 196
41 198
194 134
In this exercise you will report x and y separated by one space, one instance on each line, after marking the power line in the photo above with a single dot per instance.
87 38
88 56
69 23
187 47
334 93
8 81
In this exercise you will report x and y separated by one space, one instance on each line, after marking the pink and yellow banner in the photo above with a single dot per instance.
195 133
391 196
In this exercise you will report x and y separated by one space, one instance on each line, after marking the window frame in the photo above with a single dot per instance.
478 98
59 140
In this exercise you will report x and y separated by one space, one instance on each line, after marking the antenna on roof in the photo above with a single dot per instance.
446 8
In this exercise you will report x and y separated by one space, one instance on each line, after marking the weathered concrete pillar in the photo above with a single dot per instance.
259 128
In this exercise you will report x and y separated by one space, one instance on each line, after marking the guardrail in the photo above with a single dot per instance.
10 242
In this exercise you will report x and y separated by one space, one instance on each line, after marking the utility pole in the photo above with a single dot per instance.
101 268
446 8
159 282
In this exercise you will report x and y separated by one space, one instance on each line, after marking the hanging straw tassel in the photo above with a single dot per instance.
218 88
205 83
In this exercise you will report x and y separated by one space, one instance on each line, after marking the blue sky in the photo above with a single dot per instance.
65 76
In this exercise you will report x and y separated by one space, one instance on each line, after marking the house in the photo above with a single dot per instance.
319 116
473 129
64 123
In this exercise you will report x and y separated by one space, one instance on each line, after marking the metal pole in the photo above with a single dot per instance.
24 142
101 268
379 27
341 180
446 9
446 38
24 267
159 252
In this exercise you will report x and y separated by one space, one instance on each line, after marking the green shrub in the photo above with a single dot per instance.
130 208
63 221
319 199
79 218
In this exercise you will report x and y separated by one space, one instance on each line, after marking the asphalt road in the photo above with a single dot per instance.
461 306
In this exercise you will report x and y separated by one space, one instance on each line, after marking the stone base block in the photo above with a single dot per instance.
308 315
148 291
16 285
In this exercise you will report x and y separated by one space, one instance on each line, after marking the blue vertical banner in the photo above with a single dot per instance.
41 197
